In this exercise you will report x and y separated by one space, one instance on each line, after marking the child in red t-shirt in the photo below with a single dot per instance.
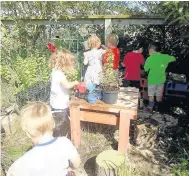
133 62
112 47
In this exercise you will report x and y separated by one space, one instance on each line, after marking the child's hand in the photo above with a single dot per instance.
71 172
103 47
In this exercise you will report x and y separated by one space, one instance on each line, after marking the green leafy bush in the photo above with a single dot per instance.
110 79
182 168
26 72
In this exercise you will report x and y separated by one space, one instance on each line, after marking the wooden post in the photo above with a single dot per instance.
75 125
124 126
107 29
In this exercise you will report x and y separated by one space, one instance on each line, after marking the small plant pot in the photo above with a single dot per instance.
92 98
110 97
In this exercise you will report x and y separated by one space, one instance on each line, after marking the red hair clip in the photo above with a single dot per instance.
51 47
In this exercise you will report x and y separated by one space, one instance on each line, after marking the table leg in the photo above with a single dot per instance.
75 125
124 126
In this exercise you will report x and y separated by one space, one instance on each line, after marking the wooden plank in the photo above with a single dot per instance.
139 21
124 126
67 17
120 20
102 107
75 125
109 119
58 21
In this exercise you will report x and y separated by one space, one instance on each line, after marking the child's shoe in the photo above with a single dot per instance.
148 109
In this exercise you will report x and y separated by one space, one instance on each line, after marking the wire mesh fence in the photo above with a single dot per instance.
37 92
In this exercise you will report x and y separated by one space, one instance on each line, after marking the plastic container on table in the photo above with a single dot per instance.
92 98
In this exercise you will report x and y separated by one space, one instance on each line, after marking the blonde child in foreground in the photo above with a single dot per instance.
49 156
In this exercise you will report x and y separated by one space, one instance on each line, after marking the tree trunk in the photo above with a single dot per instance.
110 163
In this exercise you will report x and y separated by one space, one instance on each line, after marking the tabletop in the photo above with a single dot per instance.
127 99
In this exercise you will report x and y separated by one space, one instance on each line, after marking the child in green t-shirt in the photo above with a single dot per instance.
156 65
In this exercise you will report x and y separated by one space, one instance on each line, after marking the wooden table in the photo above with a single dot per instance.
119 114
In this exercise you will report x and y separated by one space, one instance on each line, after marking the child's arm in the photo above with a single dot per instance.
74 158
86 60
124 61
171 58
147 65
142 63
104 47
68 84
75 162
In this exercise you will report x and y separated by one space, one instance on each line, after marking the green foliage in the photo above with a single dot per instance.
27 72
182 168
110 79
7 94
176 11
57 9
73 76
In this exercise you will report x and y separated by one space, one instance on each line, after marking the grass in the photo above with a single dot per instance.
14 144
182 168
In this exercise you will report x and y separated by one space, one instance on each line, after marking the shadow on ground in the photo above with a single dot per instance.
89 166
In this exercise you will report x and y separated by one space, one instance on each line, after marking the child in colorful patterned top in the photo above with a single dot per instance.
112 47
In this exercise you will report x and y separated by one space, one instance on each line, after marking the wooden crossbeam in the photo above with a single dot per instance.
121 20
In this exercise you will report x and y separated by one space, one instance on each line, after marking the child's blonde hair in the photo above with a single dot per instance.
63 60
94 42
113 39
37 119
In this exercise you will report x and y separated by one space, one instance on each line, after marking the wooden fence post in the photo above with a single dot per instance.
107 29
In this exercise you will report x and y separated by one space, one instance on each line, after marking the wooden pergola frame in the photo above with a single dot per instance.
106 20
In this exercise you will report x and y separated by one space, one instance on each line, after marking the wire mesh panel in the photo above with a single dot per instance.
38 92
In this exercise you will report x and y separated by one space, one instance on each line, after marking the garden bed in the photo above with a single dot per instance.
157 136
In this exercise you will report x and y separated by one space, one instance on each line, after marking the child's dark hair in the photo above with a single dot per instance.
137 45
113 39
156 46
